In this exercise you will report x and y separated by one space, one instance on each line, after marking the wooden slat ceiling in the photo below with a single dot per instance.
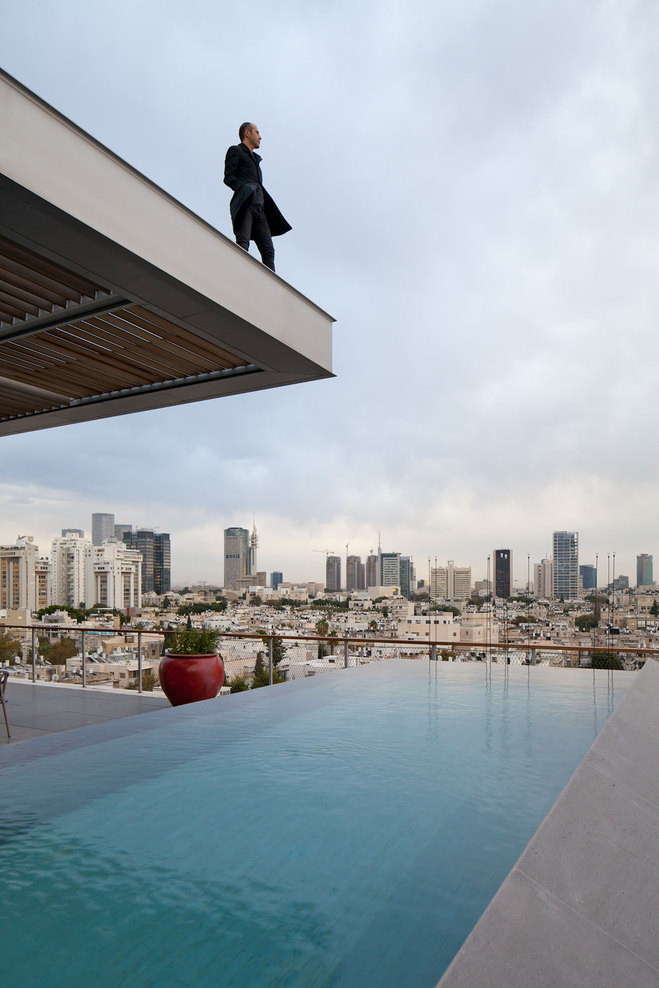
32 286
101 353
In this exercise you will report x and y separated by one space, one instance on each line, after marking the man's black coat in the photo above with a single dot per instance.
242 173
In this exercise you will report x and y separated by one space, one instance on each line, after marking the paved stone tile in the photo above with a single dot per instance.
598 852
34 709
619 757
533 940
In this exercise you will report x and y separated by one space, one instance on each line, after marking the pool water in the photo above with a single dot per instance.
348 830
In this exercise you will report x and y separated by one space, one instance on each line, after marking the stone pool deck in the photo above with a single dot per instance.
36 709
581 906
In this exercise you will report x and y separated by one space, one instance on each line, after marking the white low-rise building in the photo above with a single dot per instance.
439 626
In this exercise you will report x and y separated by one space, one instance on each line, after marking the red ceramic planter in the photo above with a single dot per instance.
189 678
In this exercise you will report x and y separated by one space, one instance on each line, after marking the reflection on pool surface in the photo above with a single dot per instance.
344 831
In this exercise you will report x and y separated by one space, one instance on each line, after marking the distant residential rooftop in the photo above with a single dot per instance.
116 298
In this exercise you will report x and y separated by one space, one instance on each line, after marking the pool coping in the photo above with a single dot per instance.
580 906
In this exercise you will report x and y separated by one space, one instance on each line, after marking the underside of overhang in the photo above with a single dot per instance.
90 330
66 341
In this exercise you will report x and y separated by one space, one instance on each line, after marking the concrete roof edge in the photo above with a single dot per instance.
43 104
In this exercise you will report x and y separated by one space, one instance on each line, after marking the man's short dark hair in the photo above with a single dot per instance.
244 127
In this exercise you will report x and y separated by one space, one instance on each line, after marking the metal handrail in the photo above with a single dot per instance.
345 640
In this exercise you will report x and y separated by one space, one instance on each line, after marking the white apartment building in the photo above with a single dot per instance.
116 576
543 579
107 575
70 562
479 629
24 583
439 626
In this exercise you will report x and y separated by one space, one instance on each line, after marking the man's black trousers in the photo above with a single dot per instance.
252 225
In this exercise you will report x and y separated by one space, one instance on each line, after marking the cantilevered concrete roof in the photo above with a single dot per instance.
115 298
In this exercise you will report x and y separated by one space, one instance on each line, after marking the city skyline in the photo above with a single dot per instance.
520 337
609 564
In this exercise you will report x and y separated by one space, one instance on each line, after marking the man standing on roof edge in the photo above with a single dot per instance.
253 212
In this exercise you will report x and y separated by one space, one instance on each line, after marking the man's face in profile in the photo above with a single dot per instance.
253 138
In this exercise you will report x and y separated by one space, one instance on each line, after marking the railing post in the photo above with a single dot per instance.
270 651
34 657
84 666
139 661
433 653
345 653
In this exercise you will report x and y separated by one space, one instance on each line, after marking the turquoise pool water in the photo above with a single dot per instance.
348 830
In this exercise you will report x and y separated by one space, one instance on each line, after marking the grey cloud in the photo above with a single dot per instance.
473 192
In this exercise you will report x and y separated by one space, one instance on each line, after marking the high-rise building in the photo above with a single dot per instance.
389 569
276 579
372 570
503 565
459 581
333 573
588 576
116 576
73 531
156 551
120 531
70 569
543 579
162 574
566 565
356 574
24 576
407 576
102 528
253 547
236 556
439 583
644 577
450 582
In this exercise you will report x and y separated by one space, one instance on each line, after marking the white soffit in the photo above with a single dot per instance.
116 298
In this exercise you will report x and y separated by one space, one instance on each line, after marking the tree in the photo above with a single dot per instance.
446 607
278 647
237 684
62 650
261 675
605 660
219 606
44 647
586 622
322 627
9 648
654 610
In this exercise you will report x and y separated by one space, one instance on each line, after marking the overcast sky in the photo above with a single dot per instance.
473 190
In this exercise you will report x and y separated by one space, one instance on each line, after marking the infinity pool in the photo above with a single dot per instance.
348 830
